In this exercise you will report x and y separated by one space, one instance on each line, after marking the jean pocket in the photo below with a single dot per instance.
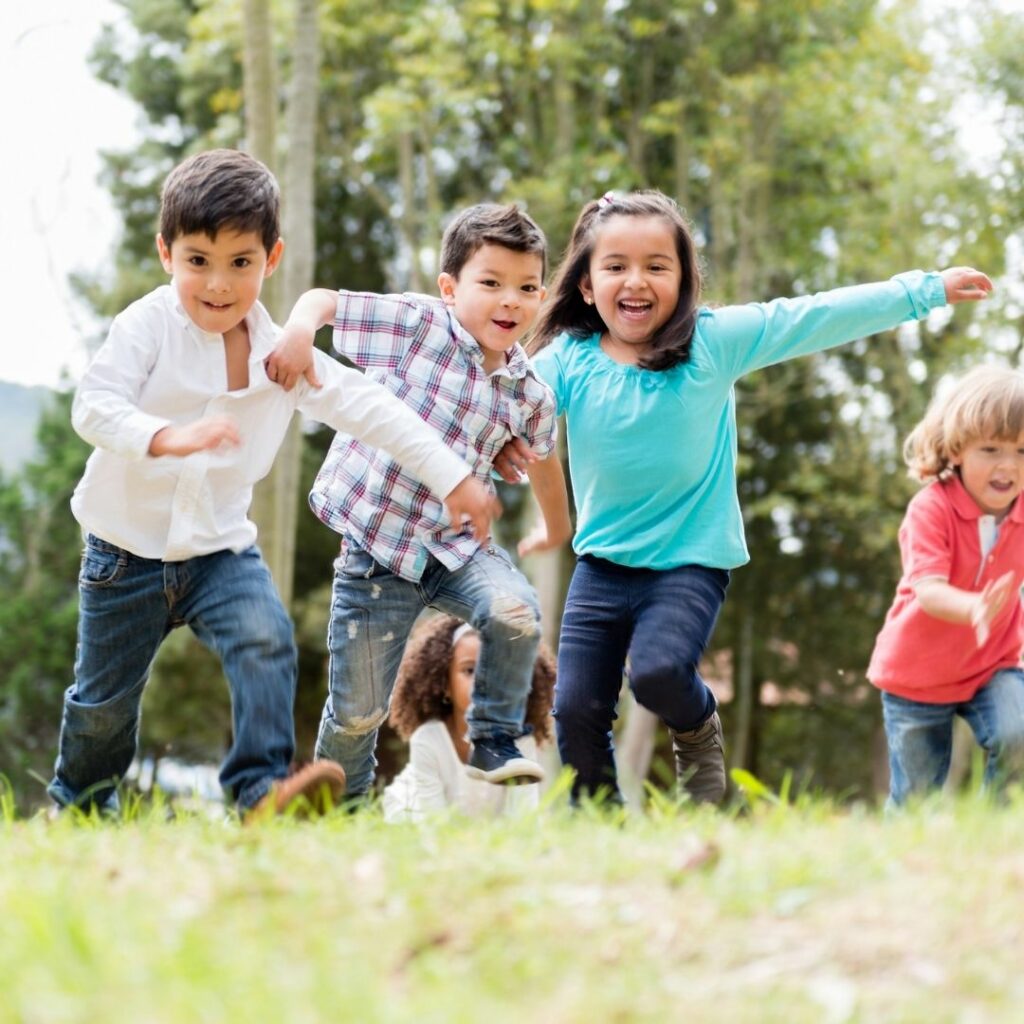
356 563
102 564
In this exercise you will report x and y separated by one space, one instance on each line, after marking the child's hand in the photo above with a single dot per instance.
511 462
471 500
537 540
292 358
965 284
202 435
989 604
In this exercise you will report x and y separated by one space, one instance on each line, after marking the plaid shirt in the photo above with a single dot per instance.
414 346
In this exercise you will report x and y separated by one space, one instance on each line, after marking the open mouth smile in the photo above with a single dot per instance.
634 307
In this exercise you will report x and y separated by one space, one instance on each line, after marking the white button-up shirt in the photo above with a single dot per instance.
157 369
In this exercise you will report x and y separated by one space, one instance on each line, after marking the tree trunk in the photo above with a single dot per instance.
276 498
409 221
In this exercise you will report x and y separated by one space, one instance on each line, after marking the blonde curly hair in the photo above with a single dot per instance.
987 401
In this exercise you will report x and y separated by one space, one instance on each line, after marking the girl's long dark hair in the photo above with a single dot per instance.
565 311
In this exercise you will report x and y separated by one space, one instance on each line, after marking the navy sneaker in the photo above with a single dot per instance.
497 759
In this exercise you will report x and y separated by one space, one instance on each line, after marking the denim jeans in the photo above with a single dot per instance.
920 736
372 614
652 624
127 606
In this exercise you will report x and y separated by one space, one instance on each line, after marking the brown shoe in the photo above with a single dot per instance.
314 789
700 761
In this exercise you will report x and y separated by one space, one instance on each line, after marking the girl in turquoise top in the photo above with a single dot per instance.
644 376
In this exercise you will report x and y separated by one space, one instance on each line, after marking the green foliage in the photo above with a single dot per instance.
40 546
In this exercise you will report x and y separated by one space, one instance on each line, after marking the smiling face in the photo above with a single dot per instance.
992 471
218 280
633 281
495 297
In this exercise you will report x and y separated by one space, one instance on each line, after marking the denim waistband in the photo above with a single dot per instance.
629 570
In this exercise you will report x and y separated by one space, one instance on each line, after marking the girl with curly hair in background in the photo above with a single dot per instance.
428 709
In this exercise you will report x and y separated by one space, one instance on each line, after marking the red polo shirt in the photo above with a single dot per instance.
923 658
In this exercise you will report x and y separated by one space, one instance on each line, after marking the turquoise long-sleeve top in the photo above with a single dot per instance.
652 454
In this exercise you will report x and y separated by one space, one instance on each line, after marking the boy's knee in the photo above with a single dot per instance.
516 614
360 725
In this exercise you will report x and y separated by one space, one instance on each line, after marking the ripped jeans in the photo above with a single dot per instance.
372 614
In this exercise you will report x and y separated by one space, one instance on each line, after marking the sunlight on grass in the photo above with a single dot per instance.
787 910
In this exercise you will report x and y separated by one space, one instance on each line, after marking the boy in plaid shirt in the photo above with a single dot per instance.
456 360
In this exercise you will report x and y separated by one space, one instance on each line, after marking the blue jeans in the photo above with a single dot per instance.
372 614
652 624
127 605
920 736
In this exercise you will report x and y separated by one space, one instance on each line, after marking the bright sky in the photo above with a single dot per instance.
55 218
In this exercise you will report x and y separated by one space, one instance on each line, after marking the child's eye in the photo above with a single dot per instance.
197 261
489 283
241 262
529 288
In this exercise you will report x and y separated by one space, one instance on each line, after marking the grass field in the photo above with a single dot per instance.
784 913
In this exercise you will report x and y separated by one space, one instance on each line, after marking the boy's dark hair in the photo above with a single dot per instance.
565 310
221 188
421 689
490 224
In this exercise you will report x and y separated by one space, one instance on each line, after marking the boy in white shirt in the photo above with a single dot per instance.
185 422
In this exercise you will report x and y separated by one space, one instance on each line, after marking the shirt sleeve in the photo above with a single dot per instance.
745 338
926 541
375 331
353 404
105 410
547 364
540 430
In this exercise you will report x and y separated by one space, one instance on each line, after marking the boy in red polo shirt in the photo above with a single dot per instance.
951 643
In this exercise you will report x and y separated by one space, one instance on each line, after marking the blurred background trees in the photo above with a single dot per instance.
812 144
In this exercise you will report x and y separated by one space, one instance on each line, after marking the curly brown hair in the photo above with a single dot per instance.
421 690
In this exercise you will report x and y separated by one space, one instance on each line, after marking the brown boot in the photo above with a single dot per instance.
313 789
700 761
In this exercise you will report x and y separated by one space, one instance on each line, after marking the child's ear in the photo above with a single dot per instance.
586 291
274 257
165 253
446 286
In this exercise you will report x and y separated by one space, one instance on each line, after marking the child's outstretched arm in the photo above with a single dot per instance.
555 526
752 336
292 357
978 609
